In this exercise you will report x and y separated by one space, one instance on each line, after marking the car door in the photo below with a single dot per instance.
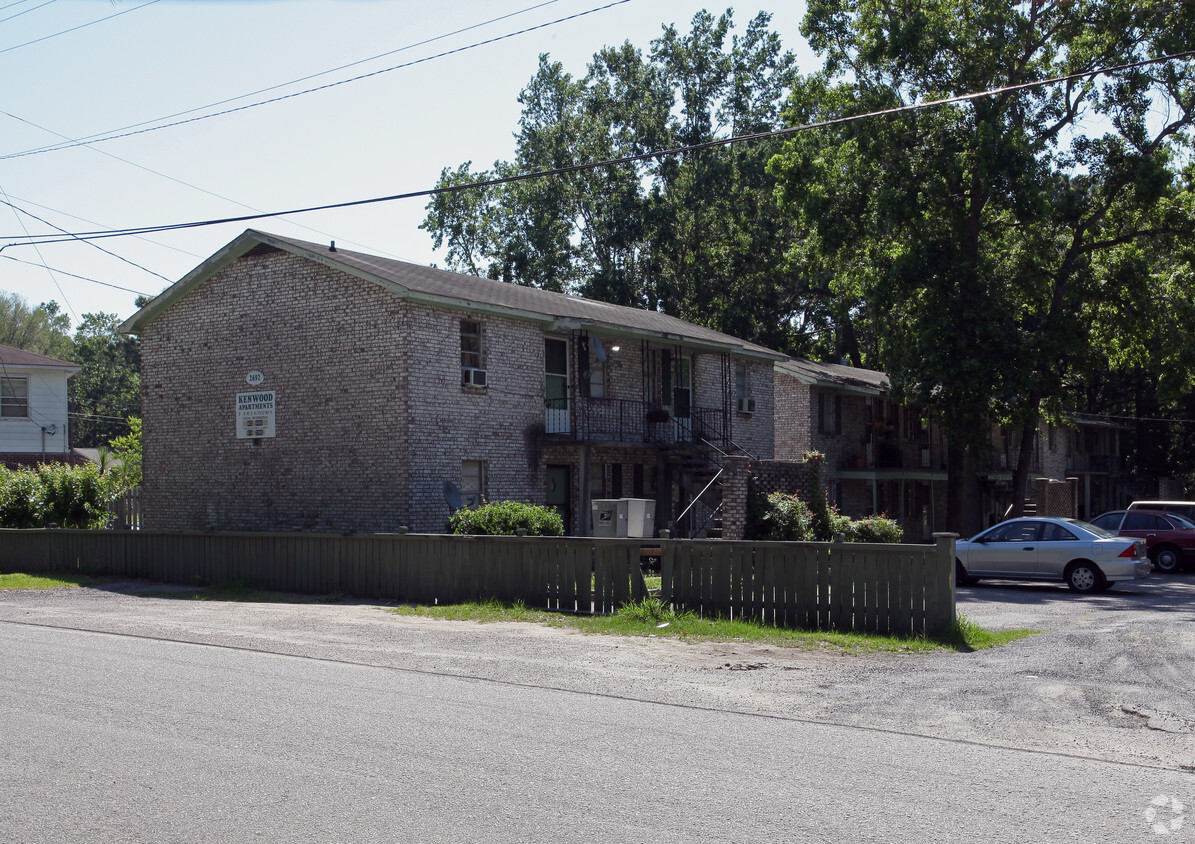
1057 546
1009 549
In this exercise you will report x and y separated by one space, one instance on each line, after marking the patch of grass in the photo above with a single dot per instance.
967 636
44 581
654 618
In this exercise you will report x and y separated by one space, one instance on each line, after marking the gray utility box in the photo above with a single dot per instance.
628 517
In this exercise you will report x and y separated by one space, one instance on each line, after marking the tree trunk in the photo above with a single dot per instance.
962 494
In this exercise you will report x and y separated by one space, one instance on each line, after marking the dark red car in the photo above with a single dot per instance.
1169 537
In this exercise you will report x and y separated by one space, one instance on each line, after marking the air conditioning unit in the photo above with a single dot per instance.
745 405
471 377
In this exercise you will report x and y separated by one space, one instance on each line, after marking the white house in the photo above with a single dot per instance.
33 408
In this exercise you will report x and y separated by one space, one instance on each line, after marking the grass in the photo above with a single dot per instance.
653 618
46 581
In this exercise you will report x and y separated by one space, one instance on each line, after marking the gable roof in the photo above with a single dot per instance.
442 288
848 378
10 356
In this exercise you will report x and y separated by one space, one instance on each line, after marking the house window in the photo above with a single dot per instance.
14 398
826 425
740 381
471 356
472 483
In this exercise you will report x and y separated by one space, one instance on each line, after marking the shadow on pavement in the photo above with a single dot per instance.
1159 593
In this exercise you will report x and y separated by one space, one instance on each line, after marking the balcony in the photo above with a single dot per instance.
630 421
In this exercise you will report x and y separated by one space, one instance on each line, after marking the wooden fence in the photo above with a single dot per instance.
895 589
892 589
565 574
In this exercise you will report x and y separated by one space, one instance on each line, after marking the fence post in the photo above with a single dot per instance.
942 590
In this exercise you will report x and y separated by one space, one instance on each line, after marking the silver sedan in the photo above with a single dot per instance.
1085 557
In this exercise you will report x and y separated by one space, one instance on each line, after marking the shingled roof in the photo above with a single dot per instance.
448 289
835 375
10 356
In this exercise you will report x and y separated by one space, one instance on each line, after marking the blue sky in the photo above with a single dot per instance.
388 134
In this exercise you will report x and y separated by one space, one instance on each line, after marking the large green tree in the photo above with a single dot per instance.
698 235
966 241
107 391
43 329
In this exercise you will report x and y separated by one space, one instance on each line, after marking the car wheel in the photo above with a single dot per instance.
1167 559
961 578
1085 577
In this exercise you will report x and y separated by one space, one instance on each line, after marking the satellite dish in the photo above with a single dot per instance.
452 494
598 349
51 429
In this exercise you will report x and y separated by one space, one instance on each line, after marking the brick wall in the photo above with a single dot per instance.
324 341
792 419
768 475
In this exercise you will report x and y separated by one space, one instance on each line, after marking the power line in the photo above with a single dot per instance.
73 275
27 11
49 271
88 242
76 28
613 162
494 40
176 181
100 135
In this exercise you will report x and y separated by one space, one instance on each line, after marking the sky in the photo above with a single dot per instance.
73 75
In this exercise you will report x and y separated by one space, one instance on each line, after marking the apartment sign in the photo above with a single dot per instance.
255 415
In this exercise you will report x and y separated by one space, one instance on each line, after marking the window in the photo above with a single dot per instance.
471 344
472 483
740 381
1014 532
14 398
826 425
1056 533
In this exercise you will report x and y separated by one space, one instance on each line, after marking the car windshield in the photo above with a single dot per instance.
1088 526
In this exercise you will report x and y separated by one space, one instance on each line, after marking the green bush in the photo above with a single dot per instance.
504 518
787 519
875 529
68 496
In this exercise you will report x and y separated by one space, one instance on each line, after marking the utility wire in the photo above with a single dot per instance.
76 28
494 40
27 11
80 277
88 242
176 181
40 259
614 162
101 135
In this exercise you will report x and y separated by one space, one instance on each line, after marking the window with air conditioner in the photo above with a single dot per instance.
743 402
473 372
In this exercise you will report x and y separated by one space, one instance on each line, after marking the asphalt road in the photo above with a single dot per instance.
129 718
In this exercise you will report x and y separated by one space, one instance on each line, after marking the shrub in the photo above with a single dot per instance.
818 506
68 496
875 529
787 519
504 518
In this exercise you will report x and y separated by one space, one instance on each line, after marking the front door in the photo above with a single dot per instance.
556 419
558 494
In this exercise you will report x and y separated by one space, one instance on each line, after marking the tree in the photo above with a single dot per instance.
108 388
127 450
967 238
43 330
697 235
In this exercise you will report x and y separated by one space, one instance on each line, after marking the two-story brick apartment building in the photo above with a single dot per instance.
295 386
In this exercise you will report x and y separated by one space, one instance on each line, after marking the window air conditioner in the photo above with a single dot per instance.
745 405
471 377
